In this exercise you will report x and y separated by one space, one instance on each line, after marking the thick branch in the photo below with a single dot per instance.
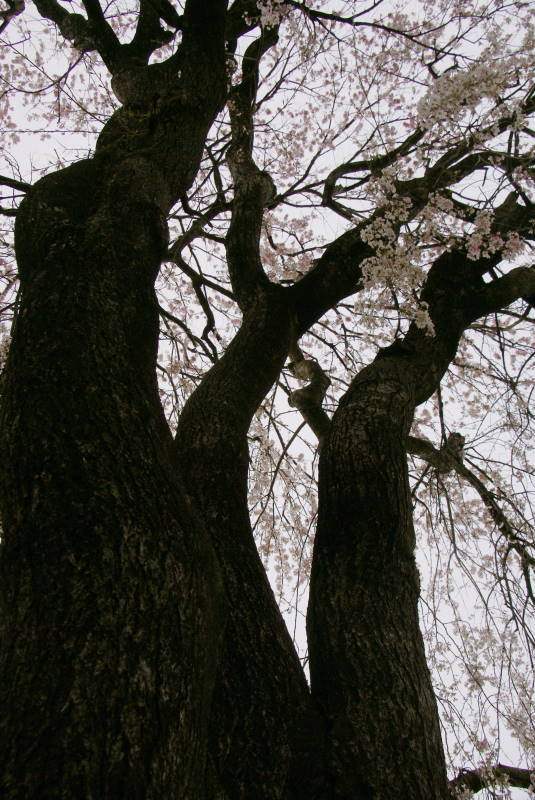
477 779
335 275
14 184
85 34
309 399
242 17
259 668
149 33
254 189
367 661
500 293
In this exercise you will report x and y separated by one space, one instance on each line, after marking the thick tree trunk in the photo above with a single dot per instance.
367 661
111 605
265 737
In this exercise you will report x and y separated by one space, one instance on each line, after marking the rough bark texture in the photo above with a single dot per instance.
142 652
111 594
112 602
367 661
368 667
265 736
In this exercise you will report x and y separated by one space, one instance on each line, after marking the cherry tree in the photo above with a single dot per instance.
267 364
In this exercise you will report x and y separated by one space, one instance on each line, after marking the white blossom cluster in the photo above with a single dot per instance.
438 224
483 242
462 793
272 12
458 91
396 260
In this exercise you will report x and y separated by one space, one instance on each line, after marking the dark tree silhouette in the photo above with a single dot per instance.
143 653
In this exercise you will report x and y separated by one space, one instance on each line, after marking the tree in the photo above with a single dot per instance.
343 185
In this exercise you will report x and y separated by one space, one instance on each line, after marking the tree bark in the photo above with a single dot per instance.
111 595
265 735
142 652
367 661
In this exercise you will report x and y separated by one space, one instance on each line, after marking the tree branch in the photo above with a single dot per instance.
89 34
150 35
14 184
452 461
477 779
309 399
353 21
374 165
254 188
500 293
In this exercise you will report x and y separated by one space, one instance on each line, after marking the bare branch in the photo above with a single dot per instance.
447 459
254 188
309 399
89 34
14 184
476 779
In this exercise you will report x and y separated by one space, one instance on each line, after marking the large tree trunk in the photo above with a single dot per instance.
111 600
367 662
265 737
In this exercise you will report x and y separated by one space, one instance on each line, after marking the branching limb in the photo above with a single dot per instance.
89 34
448 459
149 33
197 283
373 165
476 779
354 21
337 272
309 399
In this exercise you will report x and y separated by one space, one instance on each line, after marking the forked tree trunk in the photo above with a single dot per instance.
143 655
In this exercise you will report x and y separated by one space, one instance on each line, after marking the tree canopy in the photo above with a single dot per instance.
268 304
